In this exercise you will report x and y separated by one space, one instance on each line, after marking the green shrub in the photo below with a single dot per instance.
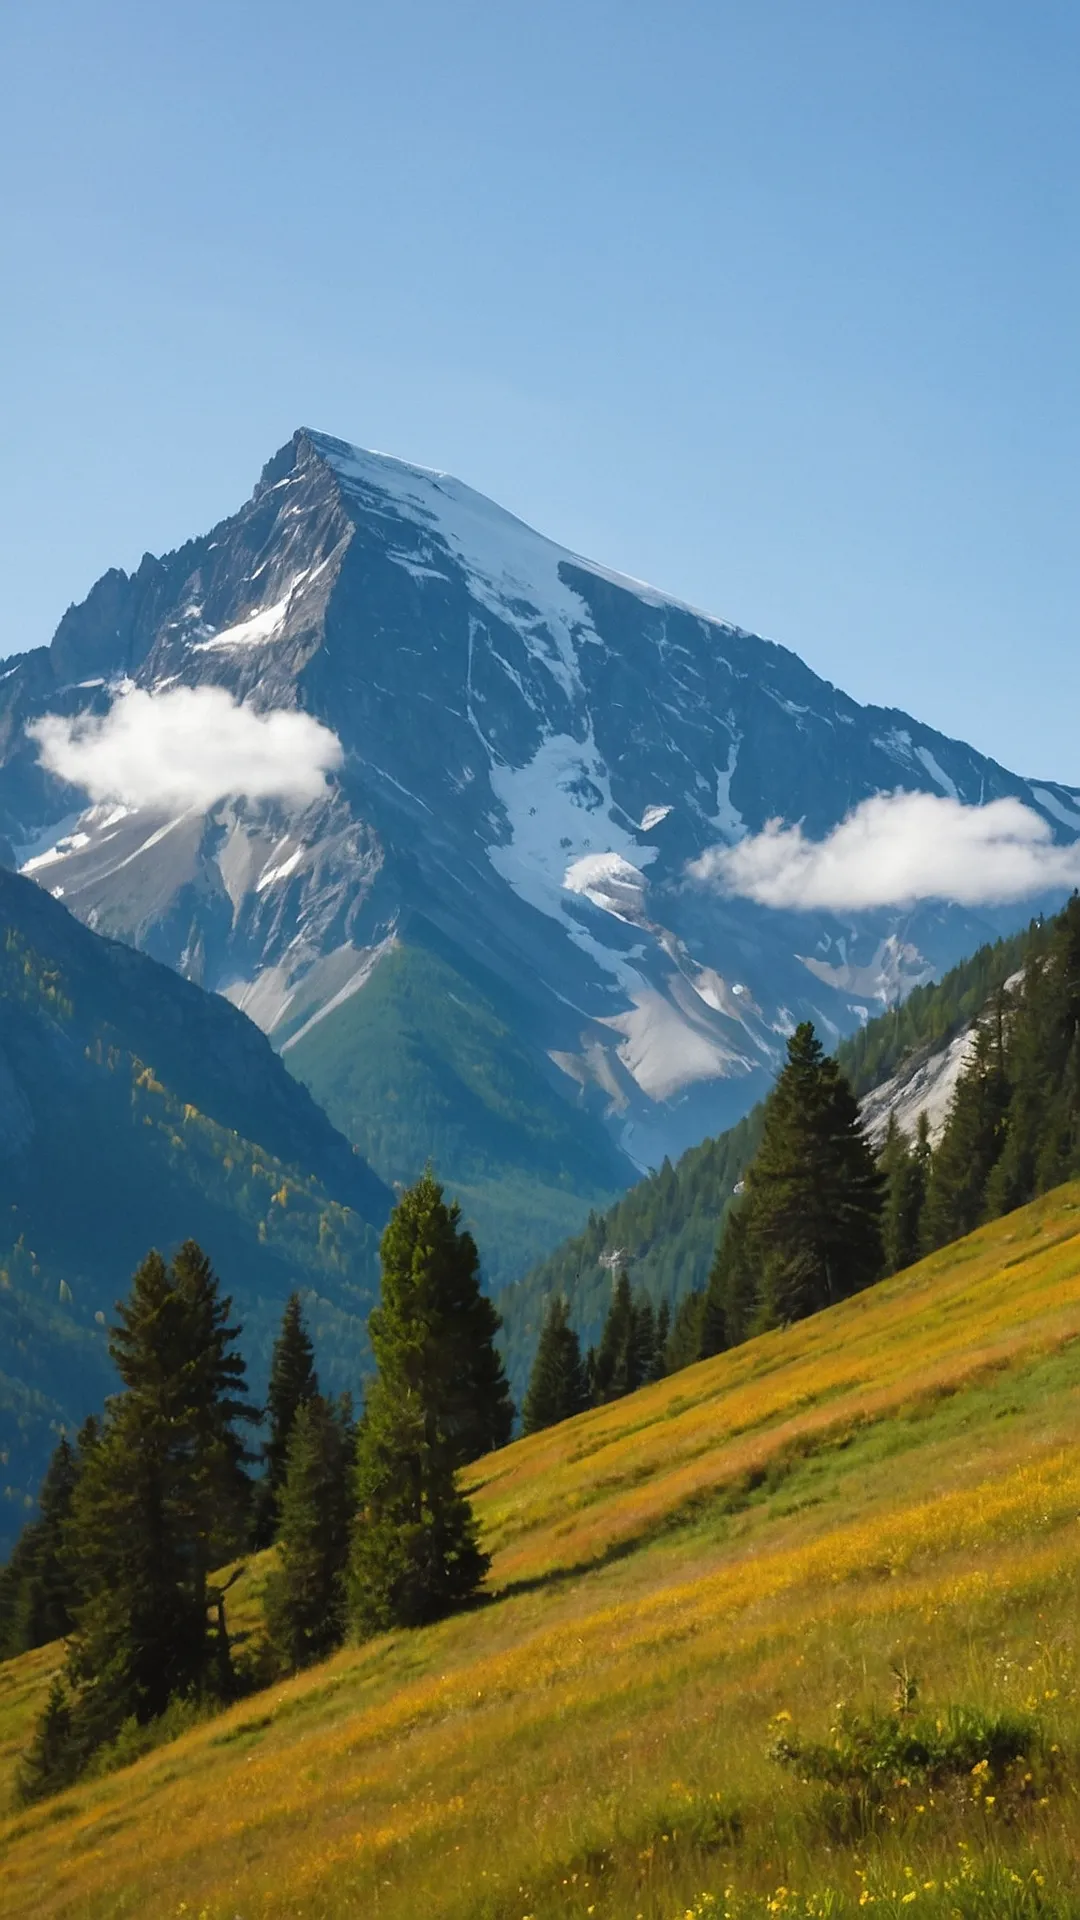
880 1751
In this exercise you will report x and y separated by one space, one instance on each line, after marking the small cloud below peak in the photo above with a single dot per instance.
187 747
893 850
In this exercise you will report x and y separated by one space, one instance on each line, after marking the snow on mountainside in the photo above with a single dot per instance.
534 748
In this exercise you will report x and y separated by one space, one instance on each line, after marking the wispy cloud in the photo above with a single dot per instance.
893 850
187 747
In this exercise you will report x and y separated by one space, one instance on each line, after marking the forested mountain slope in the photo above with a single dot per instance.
875 1507
667 1226
137 1110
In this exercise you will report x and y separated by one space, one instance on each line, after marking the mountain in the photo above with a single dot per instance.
137 1110
666 1226
480 943
871 1512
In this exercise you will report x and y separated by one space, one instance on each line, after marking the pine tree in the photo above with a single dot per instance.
616 1355
628 1352
1040 1144
160 1501
970 1146
658 1363
476 1410
643 1339
51 1762
415 1553
37 1592
557 1382
684 1340
53 1593
732 1289
425 1246
814 1191
293 1382
906 1170
305 1599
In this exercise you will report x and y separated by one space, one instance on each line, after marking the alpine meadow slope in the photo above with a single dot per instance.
487 769
875 1507
136 1110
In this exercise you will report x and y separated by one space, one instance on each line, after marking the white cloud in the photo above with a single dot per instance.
187 747
893 850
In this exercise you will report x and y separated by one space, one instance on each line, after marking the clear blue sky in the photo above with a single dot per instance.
773 303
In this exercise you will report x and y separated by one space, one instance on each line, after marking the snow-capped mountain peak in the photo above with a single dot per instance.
533 750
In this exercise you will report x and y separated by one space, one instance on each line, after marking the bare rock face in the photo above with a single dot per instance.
534 749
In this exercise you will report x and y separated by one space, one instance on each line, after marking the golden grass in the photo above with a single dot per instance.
898 1478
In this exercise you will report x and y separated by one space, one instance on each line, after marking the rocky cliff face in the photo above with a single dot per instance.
534 748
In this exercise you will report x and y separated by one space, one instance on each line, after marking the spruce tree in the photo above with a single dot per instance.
160 1501
415 1553
557 1383
616 1357
684 1341
629 1352
732 1289
293 1382
476 1412
658 1363
53 1593
305 1598
1040 1145
644 1340
906 1169
37 1590
51 1761
970 1146
15 1576
814 1190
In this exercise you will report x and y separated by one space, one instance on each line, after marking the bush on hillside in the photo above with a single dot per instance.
871 1758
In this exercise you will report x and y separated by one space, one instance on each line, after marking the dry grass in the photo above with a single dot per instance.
898 1479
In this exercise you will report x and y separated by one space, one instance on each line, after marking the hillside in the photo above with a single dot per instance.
137 1110
534 754
668 1224
678 1576
427 1062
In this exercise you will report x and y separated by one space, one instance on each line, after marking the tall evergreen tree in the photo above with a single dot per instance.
658 1364
293 1382
906 1169
644 1339
1040 1144
630 1350
974 1135
731 1294
51 1761
415 1553
476 1412
617 1362
814 1190
305 1599
160 1501
38 1592
684 1341
53 1594
557 1387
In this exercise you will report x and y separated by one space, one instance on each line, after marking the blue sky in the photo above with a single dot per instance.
773 304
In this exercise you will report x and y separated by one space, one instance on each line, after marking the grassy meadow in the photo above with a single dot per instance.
886 1494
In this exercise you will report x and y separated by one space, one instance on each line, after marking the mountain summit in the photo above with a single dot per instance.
478 941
